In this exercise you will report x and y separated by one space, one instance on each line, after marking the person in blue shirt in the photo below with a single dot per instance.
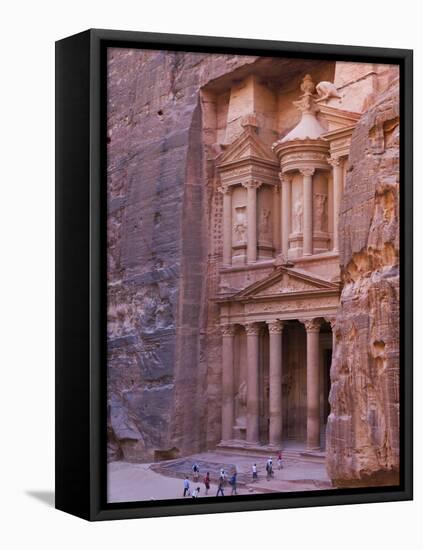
233 483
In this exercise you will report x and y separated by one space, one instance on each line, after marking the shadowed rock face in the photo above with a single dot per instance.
157 250
363 427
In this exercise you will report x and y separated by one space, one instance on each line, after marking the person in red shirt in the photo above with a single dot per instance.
280 466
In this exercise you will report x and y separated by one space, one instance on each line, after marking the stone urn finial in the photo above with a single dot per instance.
306 102
307 85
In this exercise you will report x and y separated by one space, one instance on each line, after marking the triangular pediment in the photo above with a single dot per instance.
286 281
247 146
337 119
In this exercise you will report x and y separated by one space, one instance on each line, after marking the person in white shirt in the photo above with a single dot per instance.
222 476
186 486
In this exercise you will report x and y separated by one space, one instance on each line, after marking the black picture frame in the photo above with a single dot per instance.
81 280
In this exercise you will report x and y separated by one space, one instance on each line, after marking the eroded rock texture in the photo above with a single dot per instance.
157 251
363 427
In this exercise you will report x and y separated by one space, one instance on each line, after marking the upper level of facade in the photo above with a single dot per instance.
282 149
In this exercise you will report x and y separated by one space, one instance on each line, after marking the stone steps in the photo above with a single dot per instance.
265 451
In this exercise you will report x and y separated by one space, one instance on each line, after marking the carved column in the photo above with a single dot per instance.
275 382
312 327
253 397
337 171
276 220
252 187
307 210
227 224
228 406
285 212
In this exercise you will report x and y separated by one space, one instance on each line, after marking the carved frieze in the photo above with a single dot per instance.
296 306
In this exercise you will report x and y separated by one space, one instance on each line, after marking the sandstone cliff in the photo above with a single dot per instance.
157 251
363 427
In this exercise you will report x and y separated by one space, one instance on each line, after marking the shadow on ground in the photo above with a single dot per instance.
46 497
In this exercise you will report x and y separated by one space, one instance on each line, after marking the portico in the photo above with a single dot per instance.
277 361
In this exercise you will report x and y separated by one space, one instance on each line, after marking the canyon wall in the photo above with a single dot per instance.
157 251
363 427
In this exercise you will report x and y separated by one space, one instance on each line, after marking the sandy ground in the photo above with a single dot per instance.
133 482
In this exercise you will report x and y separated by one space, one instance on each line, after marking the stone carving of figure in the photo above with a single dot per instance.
264 223
240 226
241 405
326 90
320 215
242 394
297 222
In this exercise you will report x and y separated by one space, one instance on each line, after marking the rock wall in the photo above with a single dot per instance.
363 427
157 251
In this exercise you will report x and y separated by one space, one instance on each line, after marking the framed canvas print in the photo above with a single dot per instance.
234 274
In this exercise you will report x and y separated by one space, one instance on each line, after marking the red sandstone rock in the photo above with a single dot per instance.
363 427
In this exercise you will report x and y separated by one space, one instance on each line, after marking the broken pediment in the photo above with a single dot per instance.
286 281
337 119
247 147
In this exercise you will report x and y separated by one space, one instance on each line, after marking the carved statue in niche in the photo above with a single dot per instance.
297 221
264 225
240 225
320 212
241 405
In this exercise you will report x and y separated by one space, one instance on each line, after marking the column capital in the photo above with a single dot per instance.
276 326
252 184
284 177
225 189
307 171
334 161
332 321
252 329
228 330
311 325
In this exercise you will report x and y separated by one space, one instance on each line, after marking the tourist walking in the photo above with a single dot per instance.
280 465
233 483
196 492
186 487
269 468
223 476
255 476
207 482
196 472
220 488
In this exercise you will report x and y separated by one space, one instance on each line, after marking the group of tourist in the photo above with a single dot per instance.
269 468
223 478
